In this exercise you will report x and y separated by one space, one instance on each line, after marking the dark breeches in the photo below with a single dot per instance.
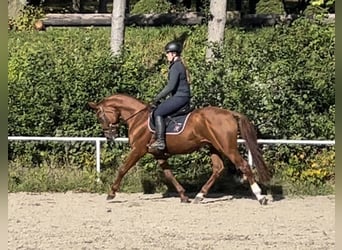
170 106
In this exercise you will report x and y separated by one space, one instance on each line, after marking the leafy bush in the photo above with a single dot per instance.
270 7
46 179
316 170
26 18
151 6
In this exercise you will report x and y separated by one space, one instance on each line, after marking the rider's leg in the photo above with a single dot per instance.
164 109
160 133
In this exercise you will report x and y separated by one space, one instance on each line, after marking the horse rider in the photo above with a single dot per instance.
177 90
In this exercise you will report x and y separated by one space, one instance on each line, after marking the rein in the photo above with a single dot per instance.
130 117
125 120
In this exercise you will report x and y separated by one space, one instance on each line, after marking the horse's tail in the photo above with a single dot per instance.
248 133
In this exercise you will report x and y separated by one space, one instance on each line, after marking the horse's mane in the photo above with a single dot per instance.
120 96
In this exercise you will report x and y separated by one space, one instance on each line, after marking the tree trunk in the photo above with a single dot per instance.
15 7
118 26
216 25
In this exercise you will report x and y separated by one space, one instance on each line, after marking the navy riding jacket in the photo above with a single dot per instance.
177 82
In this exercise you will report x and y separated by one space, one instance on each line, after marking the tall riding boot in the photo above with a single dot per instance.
160 133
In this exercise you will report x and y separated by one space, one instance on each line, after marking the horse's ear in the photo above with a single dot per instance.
92 105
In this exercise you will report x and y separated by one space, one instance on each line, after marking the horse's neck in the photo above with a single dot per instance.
129 112
127 106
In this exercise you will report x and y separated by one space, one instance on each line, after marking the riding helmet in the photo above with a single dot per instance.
173 47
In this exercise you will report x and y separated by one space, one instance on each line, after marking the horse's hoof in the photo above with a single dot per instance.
185 200
263 201
197 200
110 197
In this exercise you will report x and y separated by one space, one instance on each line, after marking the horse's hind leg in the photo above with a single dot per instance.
237 159
171 178
218 167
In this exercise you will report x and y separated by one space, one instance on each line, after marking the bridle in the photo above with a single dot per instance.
112 127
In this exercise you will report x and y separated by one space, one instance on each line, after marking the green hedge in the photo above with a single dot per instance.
281 77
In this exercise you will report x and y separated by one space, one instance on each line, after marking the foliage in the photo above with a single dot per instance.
325 3
151 6
26 18
281 77
316 170
46 178
269 7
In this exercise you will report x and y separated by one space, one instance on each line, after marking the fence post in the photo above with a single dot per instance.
98 154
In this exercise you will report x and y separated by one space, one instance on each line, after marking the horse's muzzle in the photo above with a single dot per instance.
111 133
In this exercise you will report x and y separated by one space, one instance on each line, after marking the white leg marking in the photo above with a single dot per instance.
200 196
257 191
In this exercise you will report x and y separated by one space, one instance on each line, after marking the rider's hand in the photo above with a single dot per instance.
154 104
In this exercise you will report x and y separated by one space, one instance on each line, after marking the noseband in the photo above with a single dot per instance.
111 126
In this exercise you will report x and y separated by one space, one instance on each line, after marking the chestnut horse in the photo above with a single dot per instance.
211 126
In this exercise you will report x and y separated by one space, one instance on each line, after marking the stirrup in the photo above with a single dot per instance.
159 145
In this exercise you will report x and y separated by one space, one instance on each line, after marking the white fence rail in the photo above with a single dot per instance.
98 141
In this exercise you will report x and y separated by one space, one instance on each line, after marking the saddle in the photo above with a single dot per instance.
175 122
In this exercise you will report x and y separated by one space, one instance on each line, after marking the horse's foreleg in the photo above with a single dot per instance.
218 167
171 178
132 158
